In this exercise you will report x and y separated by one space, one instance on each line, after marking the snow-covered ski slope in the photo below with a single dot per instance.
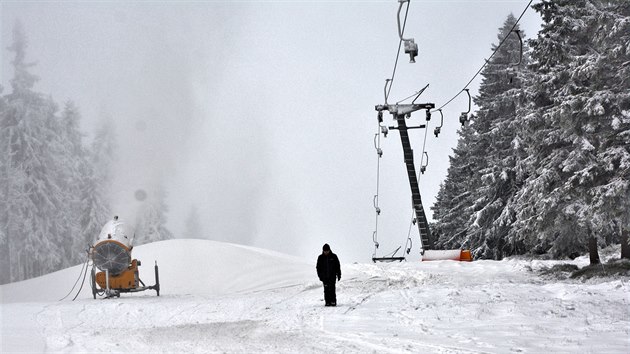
219 297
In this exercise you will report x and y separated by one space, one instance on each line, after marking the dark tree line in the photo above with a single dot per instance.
544 166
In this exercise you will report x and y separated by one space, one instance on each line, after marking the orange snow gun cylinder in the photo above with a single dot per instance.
442 255
112 256
128 279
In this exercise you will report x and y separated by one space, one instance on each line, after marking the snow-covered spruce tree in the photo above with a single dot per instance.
151 222
96 185
495 144
44 174
193 224
5 189
102 152
451 210
13 197
470 210
578 170
70 172
34 198
89 210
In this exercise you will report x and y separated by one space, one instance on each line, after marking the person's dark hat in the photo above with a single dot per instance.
326 247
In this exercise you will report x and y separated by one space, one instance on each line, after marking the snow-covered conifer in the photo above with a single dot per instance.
45 178
452 211
151 222
481 179
96 184
193 227
34 194
577 173
493 144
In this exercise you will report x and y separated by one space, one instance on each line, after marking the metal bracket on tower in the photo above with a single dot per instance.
403 109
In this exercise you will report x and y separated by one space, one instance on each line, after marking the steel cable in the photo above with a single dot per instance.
487 60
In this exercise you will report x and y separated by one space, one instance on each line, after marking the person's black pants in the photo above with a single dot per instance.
329 292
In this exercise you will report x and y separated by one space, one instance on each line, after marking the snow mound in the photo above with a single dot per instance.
186 267
226 298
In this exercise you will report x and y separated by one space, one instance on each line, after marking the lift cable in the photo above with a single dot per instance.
401 33
416 94
488 60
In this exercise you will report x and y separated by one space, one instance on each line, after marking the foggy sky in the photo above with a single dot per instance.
261 114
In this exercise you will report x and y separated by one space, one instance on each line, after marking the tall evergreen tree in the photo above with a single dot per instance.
193 227
151 223
86 209
34 197
496 144
471 204
95 187
5 190
102 154
69 170
577 175
46 179
451 210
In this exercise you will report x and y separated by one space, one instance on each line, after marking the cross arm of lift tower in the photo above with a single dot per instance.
400 112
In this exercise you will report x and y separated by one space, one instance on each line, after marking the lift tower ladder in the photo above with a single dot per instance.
400 112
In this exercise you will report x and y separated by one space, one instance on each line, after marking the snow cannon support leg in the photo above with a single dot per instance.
107 282
93 281
157 280
109 292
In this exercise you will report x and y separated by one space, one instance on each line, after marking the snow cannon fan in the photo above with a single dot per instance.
112 256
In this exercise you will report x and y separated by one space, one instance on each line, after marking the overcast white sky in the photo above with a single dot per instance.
261 113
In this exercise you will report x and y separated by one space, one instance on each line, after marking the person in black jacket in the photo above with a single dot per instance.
328 271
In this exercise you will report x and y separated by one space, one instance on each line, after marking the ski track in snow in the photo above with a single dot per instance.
277 306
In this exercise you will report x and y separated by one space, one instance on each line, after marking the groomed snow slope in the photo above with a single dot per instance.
220 297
